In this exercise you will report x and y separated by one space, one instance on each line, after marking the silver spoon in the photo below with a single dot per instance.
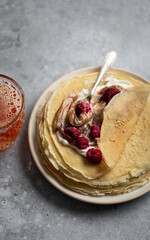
107 63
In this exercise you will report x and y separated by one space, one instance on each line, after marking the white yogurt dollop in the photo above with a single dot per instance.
110 81
66 143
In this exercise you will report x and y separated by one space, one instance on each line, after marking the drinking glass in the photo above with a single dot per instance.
12 105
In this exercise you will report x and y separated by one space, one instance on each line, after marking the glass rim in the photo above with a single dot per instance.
22 104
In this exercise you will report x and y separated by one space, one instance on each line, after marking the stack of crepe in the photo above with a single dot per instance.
124 141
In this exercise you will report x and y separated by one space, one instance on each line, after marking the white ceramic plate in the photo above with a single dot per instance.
32 136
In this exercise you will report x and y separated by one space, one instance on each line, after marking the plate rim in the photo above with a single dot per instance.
49 176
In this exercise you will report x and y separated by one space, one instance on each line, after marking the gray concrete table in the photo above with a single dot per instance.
39 42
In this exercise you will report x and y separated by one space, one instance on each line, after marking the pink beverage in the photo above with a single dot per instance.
11 111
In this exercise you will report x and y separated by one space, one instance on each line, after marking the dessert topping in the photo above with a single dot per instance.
82 142
95 132
80 113
80 108
94 155
87 107
78 121
109 93
72 133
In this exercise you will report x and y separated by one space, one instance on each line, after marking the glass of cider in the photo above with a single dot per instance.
12 105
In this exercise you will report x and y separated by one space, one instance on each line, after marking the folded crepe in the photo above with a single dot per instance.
119 119
125 166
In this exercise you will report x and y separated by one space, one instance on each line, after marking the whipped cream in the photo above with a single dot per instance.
111 81
66 143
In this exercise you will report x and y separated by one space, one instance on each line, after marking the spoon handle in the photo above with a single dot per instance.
108 62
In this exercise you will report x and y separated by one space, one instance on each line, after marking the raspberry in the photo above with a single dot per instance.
95 132
80 108
72 133
94 155
109 93
82 142
87 107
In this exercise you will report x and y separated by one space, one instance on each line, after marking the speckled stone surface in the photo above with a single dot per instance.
39 42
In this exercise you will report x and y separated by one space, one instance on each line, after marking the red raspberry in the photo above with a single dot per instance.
109 93
80 108
94 155
87 107
95 132
82 142
72 133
